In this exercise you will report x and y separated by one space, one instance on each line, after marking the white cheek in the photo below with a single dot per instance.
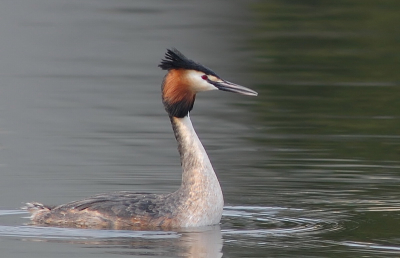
197 83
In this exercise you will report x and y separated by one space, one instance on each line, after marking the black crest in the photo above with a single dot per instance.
176 60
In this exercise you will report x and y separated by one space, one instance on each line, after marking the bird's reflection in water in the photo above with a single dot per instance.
206 243
190 242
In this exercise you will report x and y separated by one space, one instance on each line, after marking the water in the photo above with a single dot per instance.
309 168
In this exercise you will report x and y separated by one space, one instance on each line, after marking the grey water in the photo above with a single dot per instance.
309 168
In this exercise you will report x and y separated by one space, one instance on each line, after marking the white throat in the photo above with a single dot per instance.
200 190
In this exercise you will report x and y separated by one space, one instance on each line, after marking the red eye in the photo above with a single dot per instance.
204 77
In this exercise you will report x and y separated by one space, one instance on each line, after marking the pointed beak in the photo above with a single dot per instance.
232 87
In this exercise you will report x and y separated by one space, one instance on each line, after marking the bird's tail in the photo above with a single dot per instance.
34 207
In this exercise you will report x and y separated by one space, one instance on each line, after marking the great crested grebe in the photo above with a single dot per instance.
198 201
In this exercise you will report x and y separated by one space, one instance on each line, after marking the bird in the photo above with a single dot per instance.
198 201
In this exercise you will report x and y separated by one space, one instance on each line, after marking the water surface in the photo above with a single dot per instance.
309 168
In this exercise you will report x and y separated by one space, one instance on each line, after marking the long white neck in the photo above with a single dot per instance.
200 194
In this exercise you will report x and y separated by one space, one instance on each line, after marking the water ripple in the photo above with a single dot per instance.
275 228
277 221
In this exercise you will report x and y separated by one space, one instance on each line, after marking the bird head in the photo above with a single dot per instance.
185 78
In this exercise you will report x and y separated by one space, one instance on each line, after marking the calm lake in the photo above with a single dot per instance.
309 168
